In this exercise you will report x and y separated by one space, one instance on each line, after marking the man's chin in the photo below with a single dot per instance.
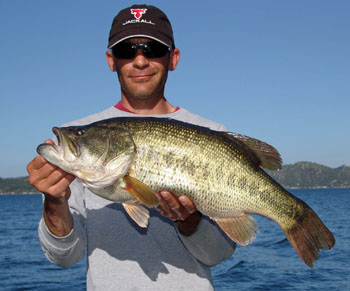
143 94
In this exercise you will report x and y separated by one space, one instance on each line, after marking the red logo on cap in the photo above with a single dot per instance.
138 12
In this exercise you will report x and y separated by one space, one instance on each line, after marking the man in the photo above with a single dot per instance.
177 249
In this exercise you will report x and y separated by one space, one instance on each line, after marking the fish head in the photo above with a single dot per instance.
96 154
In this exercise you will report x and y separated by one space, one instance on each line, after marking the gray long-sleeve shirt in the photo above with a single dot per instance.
123 256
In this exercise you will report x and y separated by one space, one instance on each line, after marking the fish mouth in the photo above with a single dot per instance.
64 142
57 134
58 147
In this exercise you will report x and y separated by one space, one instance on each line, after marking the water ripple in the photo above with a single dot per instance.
269 263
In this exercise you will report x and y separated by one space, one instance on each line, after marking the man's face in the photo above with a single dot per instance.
142 78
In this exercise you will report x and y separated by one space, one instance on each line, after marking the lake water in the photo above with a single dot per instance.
269 263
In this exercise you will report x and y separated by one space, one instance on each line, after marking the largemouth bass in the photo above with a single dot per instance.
127 160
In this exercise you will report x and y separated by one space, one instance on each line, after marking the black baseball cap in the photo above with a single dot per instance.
141 21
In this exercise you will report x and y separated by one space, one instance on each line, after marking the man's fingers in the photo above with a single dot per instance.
56 182
50 141
38 162
181 210
172 202
188 204
61 186
173 207
46 177
39 170
164 205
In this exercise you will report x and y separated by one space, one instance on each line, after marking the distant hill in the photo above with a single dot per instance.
18 185
312 175
298 175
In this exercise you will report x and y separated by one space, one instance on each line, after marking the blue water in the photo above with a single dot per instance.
269 263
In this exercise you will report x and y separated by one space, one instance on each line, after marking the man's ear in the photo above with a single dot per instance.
174 59
110 61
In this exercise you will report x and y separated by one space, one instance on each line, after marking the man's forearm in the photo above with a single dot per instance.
208 243
57 216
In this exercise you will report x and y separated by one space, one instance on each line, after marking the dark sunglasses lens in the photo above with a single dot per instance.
152 49
124 50
155 50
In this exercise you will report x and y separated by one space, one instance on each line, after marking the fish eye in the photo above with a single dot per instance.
79 131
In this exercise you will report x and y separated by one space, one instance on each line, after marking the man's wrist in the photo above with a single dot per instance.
57 216
55 201
189 225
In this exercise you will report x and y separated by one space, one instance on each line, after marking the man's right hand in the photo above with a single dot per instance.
54 183
49 179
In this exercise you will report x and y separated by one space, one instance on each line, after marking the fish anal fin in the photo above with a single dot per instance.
309 236
240 229
265 155
138 213
141 191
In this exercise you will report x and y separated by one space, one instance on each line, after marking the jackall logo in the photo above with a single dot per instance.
138 14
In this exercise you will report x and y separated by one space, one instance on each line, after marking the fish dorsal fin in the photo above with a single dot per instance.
268 157
141 191
138 213
240 229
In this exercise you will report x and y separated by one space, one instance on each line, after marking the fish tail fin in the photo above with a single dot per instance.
309 236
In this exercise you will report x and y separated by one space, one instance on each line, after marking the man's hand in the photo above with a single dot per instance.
180 210
49 179
54 183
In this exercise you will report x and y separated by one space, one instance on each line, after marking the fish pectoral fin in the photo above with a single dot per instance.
265 155
141 191
240 229
138 213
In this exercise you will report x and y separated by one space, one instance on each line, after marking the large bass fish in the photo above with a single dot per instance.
127 160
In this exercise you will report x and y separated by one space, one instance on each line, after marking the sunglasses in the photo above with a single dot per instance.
151 50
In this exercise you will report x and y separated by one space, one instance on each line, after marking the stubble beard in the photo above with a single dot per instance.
136 93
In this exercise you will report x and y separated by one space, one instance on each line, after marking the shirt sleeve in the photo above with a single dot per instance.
208 244
68 250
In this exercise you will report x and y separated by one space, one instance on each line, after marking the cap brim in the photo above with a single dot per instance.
137 32
138 35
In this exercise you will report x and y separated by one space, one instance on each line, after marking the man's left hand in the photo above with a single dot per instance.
181 210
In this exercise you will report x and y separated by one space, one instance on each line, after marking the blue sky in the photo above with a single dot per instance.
274 70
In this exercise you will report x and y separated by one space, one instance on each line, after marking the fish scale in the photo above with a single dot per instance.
185 175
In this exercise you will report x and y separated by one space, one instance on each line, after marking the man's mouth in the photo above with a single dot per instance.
141 77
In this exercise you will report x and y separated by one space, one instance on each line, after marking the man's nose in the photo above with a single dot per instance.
140 61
